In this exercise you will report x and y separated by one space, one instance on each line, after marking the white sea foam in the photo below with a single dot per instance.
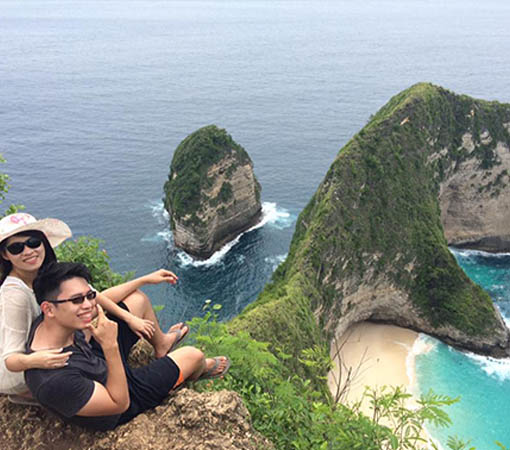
467 253
499 369
421 345
160 236
151 238
185 260
165 235
277 218
159 211
505 318
271 215
280 218
275 261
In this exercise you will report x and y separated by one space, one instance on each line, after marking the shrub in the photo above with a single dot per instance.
4 188
294 415
86 250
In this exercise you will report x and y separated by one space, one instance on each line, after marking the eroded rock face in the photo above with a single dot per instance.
394 306
475 203
186 420
212 194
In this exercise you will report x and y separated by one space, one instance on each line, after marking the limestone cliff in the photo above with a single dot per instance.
430 168
475 201
212 194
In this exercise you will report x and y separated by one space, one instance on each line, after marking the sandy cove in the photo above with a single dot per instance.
376 355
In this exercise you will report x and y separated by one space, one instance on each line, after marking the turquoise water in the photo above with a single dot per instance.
96 95
483 384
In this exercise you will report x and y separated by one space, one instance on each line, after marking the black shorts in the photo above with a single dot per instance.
148 385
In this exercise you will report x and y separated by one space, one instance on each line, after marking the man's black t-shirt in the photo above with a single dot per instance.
68 389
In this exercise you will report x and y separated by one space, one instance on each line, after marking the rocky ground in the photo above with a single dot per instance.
186 420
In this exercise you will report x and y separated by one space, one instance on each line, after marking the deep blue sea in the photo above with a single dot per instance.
96 95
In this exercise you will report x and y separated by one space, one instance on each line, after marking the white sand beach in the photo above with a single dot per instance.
375 355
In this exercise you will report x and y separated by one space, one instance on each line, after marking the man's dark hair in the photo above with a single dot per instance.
47 283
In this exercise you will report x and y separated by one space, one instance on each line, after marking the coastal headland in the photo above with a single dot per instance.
372 242
430 169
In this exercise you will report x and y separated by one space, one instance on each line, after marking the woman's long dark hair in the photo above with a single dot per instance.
6 266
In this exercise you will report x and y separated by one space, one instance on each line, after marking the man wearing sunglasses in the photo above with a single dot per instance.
97 388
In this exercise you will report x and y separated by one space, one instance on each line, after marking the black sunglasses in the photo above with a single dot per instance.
17 247
90 295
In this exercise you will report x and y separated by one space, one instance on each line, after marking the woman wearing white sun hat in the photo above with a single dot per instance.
26 246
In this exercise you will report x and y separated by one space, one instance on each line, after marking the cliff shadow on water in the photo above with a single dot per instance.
430 169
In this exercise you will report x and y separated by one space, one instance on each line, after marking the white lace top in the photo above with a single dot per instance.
18 308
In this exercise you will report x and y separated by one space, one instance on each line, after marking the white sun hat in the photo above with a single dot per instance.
55 230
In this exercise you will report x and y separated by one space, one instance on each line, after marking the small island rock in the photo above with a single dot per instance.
211 194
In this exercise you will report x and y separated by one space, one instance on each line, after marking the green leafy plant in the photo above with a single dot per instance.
454 443
87 250
390 408
294 414
4 188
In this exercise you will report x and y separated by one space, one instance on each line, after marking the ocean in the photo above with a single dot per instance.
96 95
482 384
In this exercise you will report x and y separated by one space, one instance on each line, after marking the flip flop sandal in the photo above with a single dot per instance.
181 335
20 400
209 375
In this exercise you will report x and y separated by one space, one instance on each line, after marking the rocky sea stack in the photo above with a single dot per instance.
211 194
430 169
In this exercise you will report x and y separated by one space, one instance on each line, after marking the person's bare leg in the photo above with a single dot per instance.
193 363
190 360
140 305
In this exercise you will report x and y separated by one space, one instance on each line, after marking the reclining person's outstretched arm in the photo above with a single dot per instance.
121 291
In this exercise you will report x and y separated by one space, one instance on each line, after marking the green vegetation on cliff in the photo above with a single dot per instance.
294 413
376 214
189 170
